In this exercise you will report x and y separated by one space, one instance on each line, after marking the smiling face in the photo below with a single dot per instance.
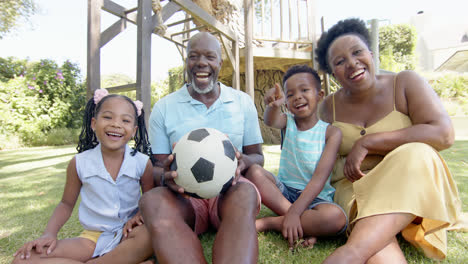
115 123
350 60
203 62
302 96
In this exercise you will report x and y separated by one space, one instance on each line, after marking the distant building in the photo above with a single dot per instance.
442 45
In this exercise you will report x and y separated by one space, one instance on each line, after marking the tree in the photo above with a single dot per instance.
397 44
11 13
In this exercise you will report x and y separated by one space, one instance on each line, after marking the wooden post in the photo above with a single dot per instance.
311 30
93 68
249 65
143 73
326 78
236 71
375 43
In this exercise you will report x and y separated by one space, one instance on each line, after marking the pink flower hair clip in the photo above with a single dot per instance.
139 106
99 94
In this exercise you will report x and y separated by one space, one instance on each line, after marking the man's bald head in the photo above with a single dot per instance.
205 36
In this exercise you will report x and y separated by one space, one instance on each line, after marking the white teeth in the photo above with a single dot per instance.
202 74
297 106
114 134
356 73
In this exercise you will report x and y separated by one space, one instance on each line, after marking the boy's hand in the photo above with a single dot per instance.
292 228
136 220
274 96
45 241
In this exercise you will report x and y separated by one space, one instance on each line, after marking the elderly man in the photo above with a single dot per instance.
175 220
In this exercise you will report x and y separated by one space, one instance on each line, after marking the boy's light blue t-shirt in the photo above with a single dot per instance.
300 155
233 113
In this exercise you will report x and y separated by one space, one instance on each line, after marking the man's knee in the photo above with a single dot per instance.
153 199
254 172
243 195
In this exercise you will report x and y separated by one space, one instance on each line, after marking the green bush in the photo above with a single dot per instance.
39 97
397 44
448 85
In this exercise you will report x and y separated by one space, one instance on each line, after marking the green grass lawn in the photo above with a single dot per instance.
31 185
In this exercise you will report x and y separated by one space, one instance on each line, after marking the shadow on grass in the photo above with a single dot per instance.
13 161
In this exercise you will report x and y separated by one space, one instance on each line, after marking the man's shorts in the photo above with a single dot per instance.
206 210
292 194
91 235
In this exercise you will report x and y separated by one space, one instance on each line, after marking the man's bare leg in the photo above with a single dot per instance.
236 240
169 219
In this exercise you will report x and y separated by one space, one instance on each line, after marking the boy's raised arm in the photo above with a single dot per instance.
273 116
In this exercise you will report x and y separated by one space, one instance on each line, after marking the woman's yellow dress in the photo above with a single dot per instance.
412 178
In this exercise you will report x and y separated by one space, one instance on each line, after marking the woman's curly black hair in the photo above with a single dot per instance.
350 26
88 139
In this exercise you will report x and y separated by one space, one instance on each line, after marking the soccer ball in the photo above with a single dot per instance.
205 161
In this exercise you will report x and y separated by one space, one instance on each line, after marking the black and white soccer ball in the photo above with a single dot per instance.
205 161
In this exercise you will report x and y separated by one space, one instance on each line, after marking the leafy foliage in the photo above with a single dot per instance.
176 78
11 13
397 44
449 84
39 96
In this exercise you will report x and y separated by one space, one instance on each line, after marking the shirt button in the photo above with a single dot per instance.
363 132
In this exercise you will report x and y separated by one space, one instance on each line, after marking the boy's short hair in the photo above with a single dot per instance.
302 69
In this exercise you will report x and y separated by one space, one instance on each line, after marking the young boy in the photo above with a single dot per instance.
301 194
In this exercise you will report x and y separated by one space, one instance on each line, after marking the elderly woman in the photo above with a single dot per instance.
389 176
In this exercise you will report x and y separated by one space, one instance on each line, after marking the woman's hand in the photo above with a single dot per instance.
136 220
274 96
352 167
45 241
292 228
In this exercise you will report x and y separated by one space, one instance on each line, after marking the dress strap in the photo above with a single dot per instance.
394 92
333 101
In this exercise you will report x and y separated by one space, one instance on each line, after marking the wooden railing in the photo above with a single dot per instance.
285 21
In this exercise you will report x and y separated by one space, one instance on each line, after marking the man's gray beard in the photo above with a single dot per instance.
208 89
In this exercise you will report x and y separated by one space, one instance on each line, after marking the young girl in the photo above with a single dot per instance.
301 195
108 174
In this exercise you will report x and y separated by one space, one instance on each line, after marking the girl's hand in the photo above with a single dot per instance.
292 228
45 241
352 167
274 96
136 220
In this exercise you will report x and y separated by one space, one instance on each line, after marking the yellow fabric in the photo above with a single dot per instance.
412 178
91 235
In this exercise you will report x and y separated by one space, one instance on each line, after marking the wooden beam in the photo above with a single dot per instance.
281 53
169 10
199 14
112 31
143 73
122 88
119 11
93 68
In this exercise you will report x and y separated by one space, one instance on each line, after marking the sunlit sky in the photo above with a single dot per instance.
59 31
